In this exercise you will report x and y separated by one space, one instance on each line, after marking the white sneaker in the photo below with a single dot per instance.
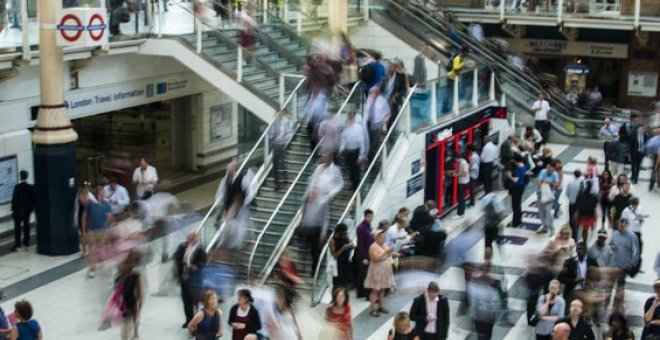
91 274
457 217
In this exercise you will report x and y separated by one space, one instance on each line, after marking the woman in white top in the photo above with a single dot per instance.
283 324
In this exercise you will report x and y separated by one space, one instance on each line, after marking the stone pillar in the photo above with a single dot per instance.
54 152
338 16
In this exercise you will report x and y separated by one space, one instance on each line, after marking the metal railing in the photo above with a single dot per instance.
284 239
356 199
292 97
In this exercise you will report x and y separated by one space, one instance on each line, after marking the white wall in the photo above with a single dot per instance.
17 143
205 154
372 35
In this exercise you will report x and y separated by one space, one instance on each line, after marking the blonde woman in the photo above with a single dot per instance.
561 247
402 329
379 275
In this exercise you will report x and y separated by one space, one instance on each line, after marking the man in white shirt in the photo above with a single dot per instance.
354 146
488 158
116 195
377 110
476 31
328 135
635 216
541 108
475 163
463 175
278 135
609 133
144 177
396 234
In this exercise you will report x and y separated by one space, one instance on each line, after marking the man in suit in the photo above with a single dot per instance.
22 206
430 311
189 261
637 152
577 271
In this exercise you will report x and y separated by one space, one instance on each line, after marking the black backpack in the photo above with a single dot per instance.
367 73
450 63
586 201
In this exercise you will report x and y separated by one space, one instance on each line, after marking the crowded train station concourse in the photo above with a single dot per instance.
329 169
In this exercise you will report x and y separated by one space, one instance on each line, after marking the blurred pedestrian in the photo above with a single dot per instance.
652 314
377 111
99 213
541 107
517 182
638 152
625 257
243 317
132 285
328 135
189 262
402 329
419 71
338 314
549 308
560 247
279 135
475 162
576 272
340 247
283 324
207 323
463 175
587 203
609 133
234 196
354 146
618 328
606 181
546 184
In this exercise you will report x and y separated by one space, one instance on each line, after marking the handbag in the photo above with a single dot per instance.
547 194
332 266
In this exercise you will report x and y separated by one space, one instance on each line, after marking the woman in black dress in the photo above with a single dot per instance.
402 329
340 247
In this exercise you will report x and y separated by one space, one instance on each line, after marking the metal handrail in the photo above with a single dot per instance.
286 236
279 206
243 164
362 182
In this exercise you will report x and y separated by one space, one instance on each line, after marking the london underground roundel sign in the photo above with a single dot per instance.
96 27
71 27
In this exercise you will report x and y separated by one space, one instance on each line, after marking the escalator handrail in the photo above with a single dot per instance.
279 206
242 167
286 236
504 64
377 155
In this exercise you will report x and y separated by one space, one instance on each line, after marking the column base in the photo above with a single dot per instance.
55 184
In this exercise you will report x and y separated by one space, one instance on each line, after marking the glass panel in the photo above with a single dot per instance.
444 98
420 105
483 83
465 82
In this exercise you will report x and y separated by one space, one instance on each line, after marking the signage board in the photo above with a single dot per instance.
414 185
569 48
446 130
82 27
8 177
416 166
221 125
642 84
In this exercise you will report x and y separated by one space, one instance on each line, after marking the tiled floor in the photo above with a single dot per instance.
68 306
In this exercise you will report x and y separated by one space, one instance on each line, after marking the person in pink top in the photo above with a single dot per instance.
592 167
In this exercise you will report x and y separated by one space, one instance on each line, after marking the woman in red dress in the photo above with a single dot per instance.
339 314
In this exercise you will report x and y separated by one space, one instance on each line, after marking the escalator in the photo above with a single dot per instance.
520 88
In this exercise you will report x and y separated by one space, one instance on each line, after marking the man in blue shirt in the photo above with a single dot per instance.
550 177
517 182
98 213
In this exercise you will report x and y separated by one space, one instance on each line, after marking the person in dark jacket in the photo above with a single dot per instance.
580 327
423 217
637 152
243 317
22 206
189 261
430 311
576 271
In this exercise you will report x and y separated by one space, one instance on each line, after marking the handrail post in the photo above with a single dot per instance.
383 160
560 12
160 18
638 5
285 12
25 21
106 46
298 22
266 149
503 100
150 16
434 102
502 10
454 105
265 6
282 89
491 88
198 28
295 106
239 64
475 87
366 10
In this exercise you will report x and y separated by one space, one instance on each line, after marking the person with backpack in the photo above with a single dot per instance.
206 324
132 294
587 202
454 68
493 214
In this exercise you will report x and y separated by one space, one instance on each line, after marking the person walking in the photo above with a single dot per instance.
488 158
243 317
207 323
377 111
587 204
98 213
419 70
475 162
283 324
625 257
354 147
340 247
518 181
546 184
279 134
541 107
606 182
571 191
430 311
22 206
145 177
132 294
638 152
580 327
339 314
550 307
379 275
189 261
234 196
556 206
609 133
